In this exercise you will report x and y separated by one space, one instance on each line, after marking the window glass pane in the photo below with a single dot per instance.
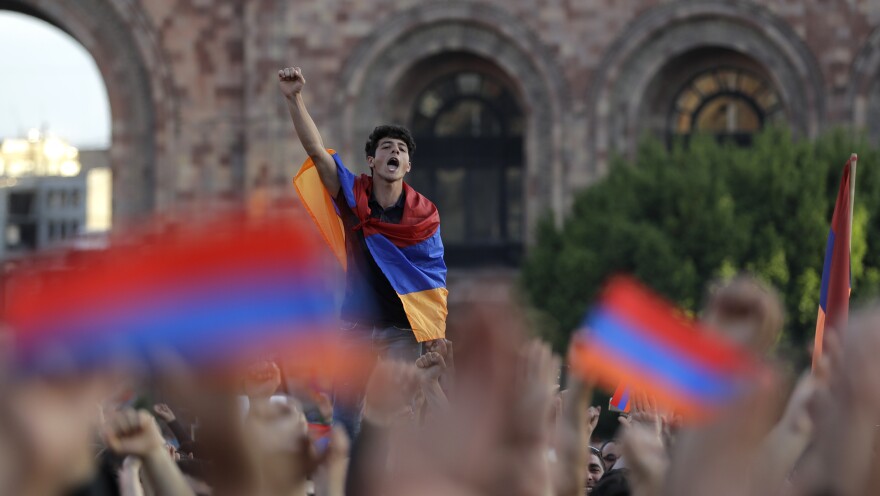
468 83
20 203
728 114
468 118
707 84
767 99
514 203
484 217
450 202
683 123
53 199
516 126
429 104
689 100
749 85
491 89
419 178
727 79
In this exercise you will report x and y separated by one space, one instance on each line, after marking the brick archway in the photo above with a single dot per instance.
863 93
663 33
378 64
126 50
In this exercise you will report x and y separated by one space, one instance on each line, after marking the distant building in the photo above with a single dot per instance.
38 212
44 193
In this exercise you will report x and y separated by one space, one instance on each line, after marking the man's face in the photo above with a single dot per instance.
610 453
594 472
391 162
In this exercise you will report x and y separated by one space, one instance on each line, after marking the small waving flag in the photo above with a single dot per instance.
209 294
633 337
836 275
619 401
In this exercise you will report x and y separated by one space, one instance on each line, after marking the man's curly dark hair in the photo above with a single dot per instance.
389 131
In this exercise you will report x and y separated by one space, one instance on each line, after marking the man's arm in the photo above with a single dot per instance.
135 433
291 82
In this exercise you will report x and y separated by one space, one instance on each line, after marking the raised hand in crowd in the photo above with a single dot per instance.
574 427
390 392
261 381
643 446
164 412
129 476
747 311
431 367
445 349
482 446
842 459
184 438
716 457
135 433
331 474
790 437
389 400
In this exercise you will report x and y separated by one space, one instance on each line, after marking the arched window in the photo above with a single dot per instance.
468 129
727 102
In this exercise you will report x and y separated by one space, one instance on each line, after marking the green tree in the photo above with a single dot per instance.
678 218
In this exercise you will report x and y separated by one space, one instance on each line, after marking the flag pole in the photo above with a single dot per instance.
854 160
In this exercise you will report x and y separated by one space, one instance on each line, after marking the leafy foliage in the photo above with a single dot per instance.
678 218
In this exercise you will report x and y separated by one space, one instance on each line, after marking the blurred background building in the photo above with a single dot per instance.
514 104
47 198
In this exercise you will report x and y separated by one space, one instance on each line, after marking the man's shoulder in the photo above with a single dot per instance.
409 191
419 204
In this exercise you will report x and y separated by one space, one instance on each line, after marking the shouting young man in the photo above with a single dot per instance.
386 234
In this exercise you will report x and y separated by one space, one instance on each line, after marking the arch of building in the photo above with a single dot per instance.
119 36
374 70
863 93
662 35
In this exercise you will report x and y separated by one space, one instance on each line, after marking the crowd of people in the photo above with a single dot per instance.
481 413
417 404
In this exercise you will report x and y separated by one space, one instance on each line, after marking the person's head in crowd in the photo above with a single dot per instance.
746 310
610 453
614 483
595 470
54 420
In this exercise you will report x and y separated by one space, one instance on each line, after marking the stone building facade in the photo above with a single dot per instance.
517 103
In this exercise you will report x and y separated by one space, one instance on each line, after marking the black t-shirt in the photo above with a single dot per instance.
369 297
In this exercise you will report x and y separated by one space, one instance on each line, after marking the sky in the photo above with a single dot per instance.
48 79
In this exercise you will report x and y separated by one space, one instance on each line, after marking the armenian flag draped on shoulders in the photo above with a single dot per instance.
410 254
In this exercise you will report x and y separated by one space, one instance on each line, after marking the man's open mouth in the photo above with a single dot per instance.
393 164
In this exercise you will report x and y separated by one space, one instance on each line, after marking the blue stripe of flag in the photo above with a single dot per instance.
199 320
826 270
415 268
624 399
611 332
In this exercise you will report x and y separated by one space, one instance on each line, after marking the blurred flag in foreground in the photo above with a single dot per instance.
635 338
836 278
211 294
